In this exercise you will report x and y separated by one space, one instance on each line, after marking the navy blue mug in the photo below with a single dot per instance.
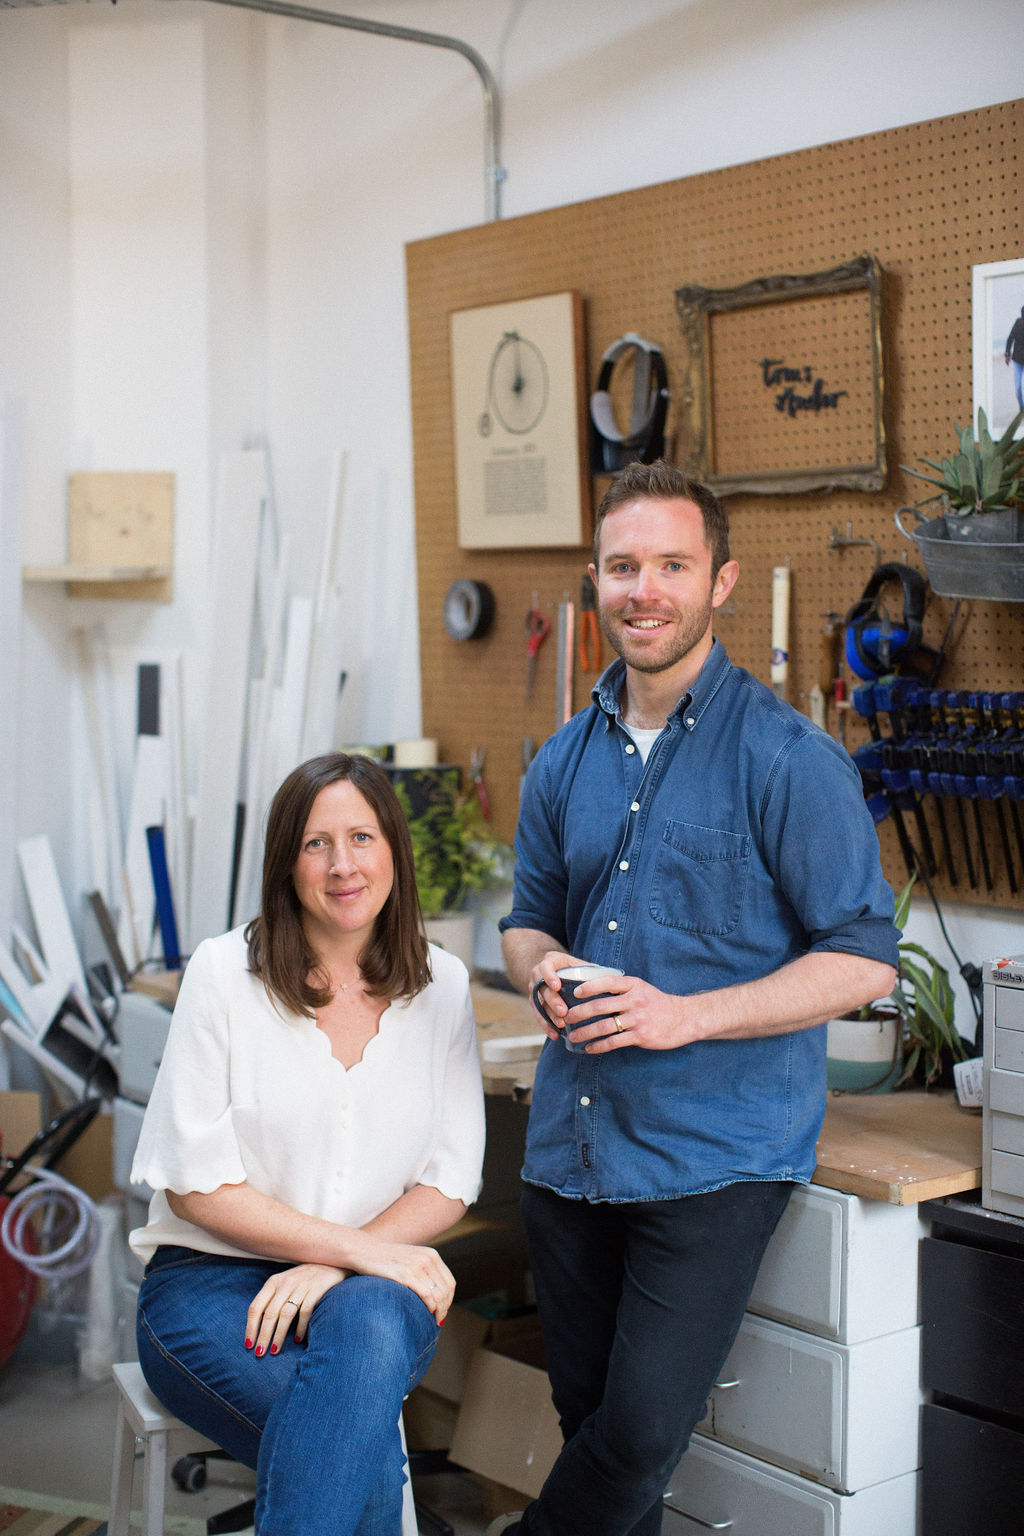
571 977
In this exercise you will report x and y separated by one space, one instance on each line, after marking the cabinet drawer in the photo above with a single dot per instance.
1008 1051
973 1478
841 1267
718 1488
843 1414
972 1346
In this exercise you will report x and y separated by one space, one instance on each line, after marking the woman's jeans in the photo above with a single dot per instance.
319 1421
640 1304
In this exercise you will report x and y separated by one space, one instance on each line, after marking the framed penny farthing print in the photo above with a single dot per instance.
520 432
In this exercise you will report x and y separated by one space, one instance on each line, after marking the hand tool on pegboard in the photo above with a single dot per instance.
780 630
477 757
590 633
537 627
564 660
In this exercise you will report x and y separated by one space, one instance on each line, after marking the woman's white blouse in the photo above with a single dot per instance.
248 1091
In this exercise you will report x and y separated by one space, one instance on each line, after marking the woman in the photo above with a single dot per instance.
316 1120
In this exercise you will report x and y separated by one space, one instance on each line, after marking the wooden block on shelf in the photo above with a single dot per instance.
122 519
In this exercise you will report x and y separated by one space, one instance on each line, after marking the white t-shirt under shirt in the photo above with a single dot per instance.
249 1091
644 739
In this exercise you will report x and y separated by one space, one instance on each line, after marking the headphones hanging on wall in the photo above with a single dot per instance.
610 449
875 642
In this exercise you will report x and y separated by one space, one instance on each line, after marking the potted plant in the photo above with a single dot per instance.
923 998
975 546
910 1036
455 854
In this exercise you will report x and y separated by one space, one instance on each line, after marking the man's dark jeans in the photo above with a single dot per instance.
640 1304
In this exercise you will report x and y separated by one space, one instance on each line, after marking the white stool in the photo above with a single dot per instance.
140 1416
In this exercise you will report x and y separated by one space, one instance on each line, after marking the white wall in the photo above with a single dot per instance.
203 215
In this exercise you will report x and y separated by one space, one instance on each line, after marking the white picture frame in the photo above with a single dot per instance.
520 441
997 300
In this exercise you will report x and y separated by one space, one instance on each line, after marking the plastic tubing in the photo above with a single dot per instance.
51 1195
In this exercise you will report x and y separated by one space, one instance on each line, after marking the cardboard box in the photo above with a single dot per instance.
507 1429
20 1120
432 1412
89 1162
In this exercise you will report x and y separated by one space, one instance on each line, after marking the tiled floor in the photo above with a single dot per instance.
57 1435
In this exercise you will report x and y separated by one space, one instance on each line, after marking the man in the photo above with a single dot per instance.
711 842
1015 354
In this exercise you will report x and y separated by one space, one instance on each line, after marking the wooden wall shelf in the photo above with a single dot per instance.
96 573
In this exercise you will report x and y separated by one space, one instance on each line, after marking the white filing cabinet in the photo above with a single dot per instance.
1002 1187
813 1429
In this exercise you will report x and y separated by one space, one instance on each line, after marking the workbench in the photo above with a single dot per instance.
897 1147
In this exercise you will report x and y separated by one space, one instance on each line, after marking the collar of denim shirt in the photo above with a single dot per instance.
607 691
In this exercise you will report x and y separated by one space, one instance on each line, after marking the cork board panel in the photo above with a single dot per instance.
929 201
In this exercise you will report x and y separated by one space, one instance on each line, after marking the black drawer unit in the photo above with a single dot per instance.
972 1363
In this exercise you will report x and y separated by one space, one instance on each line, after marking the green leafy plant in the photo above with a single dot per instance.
923 998
453 850
984 476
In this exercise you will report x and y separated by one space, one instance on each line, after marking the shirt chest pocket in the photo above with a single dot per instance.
700 876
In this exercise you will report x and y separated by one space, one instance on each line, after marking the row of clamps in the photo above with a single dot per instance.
948 745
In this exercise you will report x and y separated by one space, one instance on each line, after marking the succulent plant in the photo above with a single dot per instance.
984 476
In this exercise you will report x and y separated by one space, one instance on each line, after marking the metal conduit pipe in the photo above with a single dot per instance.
494 174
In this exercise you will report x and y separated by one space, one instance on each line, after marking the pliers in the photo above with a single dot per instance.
590 635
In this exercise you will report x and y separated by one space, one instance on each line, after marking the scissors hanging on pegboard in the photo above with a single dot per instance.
610 449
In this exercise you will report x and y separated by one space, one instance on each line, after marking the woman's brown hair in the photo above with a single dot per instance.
394 962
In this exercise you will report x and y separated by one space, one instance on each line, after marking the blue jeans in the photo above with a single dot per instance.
640 1303
319 1421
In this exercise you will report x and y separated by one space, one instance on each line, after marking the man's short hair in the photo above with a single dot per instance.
662 481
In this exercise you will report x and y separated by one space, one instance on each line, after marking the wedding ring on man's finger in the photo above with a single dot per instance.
619 1026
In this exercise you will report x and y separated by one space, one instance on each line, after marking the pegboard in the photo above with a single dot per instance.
929 201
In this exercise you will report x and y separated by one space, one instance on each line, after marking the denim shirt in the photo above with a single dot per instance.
742 844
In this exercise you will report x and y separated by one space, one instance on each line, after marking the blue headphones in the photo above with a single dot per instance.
875 642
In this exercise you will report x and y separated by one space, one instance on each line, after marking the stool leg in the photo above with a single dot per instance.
154 1484
121 1477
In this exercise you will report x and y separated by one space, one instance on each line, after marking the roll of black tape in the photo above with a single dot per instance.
468 609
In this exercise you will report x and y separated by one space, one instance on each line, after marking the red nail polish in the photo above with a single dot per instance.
248 1343
259 1349
273 1349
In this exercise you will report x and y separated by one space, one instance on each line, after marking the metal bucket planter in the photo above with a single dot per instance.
976 556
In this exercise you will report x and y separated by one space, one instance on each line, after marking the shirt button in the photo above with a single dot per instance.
631 748
584 1101
635 806
624 864
612 926
690 721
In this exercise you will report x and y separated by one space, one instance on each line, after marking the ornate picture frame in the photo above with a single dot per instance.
518 391
786 389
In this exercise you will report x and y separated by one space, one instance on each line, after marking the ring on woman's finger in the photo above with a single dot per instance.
290 1301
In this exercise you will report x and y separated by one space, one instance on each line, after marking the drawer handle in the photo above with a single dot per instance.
707 1525
722 1386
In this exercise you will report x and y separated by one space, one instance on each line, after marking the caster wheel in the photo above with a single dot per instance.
190 1473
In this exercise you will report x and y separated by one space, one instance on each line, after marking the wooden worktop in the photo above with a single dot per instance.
897 1147
900 1147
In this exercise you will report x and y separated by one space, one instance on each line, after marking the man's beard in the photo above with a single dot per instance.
686 630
